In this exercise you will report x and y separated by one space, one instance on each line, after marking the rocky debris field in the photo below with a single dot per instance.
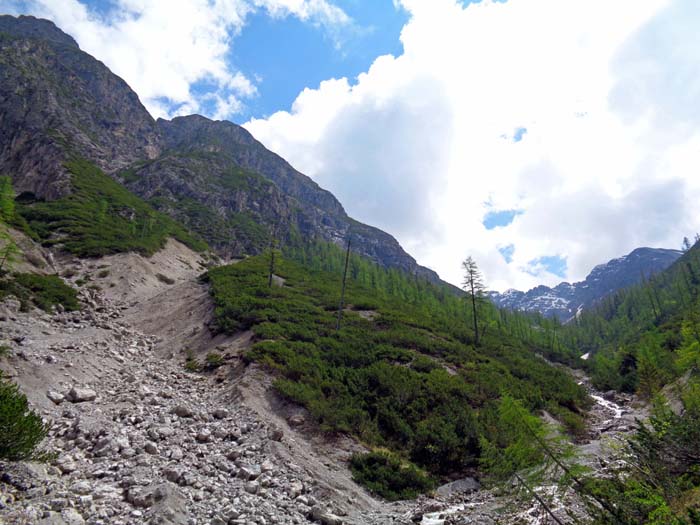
136 438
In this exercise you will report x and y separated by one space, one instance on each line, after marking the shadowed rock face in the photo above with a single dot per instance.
565 299
57 102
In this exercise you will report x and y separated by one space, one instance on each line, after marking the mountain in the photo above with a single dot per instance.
566 299
59 104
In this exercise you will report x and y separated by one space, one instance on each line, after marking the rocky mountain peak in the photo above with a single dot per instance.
34 28
565 299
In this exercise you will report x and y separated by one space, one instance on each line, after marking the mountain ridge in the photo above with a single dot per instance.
71 105
566 299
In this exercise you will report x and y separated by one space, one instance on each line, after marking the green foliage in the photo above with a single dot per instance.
388 476
21 429
101 217
8 250
643 337
7 200
660 468
214 360
44 291
409 378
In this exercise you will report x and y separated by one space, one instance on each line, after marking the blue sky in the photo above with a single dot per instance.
289 55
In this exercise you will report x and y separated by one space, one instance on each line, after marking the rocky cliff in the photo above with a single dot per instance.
58 103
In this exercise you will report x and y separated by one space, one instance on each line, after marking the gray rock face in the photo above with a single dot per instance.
564 300
53 95
57 101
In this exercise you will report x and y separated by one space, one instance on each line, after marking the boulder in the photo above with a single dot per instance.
461 486
81 395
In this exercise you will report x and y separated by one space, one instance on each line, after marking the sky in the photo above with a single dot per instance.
540 137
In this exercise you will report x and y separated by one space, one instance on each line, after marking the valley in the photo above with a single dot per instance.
193 332
162 444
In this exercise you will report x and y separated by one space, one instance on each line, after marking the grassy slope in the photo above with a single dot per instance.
409 379
101 217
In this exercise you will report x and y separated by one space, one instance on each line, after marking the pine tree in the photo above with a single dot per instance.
473 284
7 199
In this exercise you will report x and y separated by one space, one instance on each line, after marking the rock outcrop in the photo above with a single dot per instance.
58 103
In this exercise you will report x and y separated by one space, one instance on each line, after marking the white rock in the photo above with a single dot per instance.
81 395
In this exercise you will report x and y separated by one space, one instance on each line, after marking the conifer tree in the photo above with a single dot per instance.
473 284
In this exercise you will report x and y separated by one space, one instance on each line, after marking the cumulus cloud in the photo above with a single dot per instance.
424 144
175 54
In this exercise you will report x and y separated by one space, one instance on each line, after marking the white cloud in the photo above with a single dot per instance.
165 50
421 142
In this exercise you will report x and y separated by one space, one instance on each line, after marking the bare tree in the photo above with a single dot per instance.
473 284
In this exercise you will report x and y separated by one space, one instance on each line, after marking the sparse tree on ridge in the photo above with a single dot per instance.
686 244
473 284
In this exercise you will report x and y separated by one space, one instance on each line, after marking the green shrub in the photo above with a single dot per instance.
44 291
389 477
101 217
213 360
21 429
383 380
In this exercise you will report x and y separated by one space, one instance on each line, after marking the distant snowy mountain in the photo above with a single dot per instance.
565 299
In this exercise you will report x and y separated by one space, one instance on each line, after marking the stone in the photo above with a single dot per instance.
81 487
461 486
249 472
296 420
275 434
220 413
252 487
55 397
324 518
72 517
81 395
183 411
151 448
295 489
203 436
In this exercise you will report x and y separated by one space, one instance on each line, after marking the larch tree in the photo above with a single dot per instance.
473 284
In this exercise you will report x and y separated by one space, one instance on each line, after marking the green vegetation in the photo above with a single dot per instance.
43 291
213 360
658 480
21 429
7 199
100 217
237 231
642 338
408 378
388 476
